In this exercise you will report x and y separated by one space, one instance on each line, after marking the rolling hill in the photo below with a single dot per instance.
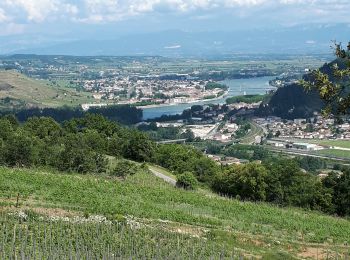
293 101
18 91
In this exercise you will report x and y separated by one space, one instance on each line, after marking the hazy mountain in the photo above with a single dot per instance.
293 40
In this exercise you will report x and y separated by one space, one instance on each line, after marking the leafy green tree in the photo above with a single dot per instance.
2 154
20 150
204 168
188 135
260 153
333 87
77 156
187 181
124 168
95 141
181 158
288 185
138 147
43 128
339 184
92 122
246 181
311 163
115 145
6 129
12 119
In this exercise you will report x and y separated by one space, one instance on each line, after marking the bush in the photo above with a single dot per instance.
124 168
187 181
248 181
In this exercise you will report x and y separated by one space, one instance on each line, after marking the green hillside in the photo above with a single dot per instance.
17 90
148 218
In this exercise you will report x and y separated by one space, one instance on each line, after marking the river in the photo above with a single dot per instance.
236 87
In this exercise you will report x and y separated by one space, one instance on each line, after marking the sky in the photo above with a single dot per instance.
18 16
76 19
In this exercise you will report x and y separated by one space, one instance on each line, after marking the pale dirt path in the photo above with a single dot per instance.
163 176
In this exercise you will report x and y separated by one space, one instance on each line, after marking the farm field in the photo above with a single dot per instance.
155 219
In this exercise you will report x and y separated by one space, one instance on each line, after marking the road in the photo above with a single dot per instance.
256 130
301 153
213 131
175 141
163 176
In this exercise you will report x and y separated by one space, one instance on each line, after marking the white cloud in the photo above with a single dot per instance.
3 17
36 10
310 42
39 10
99 11
112 10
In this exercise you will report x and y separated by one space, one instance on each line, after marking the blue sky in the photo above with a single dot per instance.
63 16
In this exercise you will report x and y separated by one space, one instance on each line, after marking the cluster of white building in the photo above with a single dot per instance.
150 90
317 127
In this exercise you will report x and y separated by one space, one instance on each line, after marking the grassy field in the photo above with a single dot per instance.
200 220
338 143
38 92
335 153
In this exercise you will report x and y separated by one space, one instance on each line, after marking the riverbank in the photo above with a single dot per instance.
237 87
185 103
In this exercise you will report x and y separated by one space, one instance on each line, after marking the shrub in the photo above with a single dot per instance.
124 168
187 181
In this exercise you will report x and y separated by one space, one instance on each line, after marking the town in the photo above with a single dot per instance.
153 91
237 123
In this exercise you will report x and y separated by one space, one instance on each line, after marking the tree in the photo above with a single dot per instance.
339 185
333 87
288 185
6 129
188 135
246 181
187 181
124 168
139 147
43 127
77 156
20 150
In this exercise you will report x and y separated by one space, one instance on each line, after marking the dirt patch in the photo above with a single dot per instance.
5 86
316 253
55 212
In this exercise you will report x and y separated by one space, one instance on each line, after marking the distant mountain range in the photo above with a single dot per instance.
292 40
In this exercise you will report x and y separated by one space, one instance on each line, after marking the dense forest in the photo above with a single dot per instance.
85 145
124 114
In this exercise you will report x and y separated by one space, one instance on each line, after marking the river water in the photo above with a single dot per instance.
236 87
